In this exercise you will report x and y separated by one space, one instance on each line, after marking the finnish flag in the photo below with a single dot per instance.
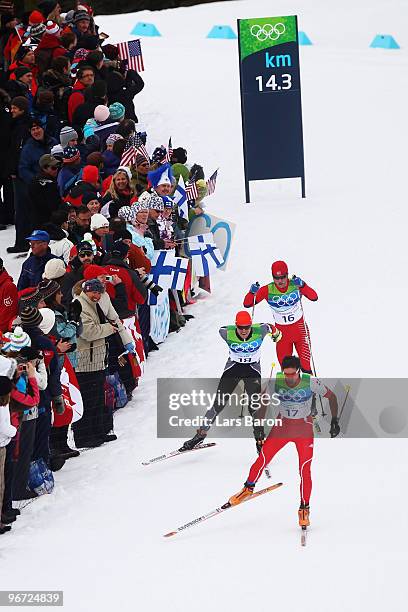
204 253
181 199
168 271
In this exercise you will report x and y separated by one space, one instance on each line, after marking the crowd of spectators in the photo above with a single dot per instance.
76 325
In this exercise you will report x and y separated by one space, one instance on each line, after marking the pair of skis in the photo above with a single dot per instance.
220 509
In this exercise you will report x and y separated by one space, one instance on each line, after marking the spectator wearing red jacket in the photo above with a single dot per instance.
85 78
8 299
49 47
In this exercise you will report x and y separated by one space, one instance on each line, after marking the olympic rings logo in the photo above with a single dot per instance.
295 396
286 300
244 347
273 32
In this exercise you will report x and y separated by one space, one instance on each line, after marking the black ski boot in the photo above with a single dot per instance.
190 444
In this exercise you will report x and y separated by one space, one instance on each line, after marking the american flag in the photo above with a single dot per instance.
132 52
211 183
141 150
192 191
166 159
128 156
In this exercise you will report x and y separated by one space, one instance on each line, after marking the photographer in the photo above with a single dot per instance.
100 320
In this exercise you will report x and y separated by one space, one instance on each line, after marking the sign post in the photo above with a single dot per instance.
271 105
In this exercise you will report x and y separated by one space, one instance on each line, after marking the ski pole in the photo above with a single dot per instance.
309 344
348 387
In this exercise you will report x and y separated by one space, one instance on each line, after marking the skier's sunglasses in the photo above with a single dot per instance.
244 326
85 254
281 277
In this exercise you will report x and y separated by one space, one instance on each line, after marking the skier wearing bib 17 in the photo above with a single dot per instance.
244 341
284 297
295 392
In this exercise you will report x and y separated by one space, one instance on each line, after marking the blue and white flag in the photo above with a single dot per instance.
204 254
168 271
181 199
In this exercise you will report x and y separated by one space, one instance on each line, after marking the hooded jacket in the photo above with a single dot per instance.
48 49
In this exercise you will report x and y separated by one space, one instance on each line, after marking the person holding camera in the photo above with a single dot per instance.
100 321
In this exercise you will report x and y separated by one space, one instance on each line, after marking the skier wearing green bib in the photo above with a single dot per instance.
244 342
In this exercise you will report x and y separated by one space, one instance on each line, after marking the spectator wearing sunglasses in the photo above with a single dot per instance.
284 297
84 257
140 171
244 341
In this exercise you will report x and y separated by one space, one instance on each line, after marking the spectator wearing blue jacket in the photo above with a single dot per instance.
38 145
33 267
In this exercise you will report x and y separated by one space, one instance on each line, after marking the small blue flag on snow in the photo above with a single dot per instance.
181 199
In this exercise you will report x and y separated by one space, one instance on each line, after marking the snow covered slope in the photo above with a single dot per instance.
99 537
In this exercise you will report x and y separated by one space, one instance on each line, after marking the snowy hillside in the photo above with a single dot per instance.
99 536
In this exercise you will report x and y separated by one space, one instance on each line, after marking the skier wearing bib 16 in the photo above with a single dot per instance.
284 297
295 392
244 341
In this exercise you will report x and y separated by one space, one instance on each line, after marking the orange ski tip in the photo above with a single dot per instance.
171 533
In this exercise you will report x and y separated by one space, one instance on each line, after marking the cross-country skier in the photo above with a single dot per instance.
244 341
295 395
284 297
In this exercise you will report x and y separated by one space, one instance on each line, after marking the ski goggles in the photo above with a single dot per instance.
243 326
282 277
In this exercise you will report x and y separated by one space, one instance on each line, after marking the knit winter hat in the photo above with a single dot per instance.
71 155
168 202
54 268
5 385
156 202
112 138
16 340
30 317
80 15
66 134
122 234
29 296
80 55
90 174
140 159
126 213
8 366
98 221
126 170
48 288
35 18
21 103
158 154
101 113
57 151
93 271
52 28
48 320
143 203
116 111
93 285
119 249
21 71
36 31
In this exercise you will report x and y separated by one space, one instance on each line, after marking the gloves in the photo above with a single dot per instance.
156 290
59 404
334 427
298 281
74 311
254 288
130 348
276 335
